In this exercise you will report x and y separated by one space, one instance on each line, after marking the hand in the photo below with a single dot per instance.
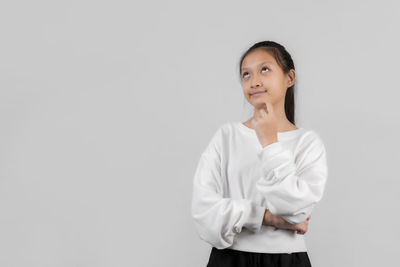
300 228
280 223
265 124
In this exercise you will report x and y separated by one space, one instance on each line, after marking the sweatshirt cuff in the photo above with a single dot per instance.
276 162
255 217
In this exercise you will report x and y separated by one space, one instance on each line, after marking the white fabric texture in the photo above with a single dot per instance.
236 180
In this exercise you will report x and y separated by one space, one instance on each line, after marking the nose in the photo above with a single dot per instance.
255 82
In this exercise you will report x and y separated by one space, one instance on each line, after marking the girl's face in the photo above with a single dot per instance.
262 79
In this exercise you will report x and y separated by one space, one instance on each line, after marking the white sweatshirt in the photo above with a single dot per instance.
236 180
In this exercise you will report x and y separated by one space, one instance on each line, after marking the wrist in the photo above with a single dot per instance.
269 218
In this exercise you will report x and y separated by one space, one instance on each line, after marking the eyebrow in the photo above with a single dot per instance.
260 64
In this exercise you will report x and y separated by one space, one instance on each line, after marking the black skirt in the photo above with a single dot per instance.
235 258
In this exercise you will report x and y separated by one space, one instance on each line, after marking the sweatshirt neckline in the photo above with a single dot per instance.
285 134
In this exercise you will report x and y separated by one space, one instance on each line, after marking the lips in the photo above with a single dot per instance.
258 93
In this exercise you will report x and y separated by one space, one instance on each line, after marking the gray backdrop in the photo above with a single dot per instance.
107 105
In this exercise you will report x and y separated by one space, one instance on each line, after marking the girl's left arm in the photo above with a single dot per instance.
292 190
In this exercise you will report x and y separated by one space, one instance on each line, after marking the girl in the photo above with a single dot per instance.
257 182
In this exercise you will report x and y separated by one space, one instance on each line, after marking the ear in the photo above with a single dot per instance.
291 77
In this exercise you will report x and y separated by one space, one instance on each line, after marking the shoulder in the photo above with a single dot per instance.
311 139
223 130
311 151
219 134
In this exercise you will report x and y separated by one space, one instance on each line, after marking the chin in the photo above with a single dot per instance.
260 102
258 99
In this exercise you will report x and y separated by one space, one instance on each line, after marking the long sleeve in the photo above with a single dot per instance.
292 191
219 219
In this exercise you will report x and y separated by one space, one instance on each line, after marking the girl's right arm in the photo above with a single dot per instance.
217 217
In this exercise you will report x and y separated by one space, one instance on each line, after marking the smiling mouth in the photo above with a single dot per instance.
257 94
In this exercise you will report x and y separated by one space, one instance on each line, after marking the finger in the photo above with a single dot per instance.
263 113
269 107
254 124
257 113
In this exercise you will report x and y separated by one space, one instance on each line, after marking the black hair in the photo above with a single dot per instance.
285 62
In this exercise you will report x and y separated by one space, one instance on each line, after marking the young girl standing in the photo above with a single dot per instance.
258 181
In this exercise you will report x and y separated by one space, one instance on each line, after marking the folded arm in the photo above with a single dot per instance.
292 190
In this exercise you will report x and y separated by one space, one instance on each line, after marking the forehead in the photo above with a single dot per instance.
257 57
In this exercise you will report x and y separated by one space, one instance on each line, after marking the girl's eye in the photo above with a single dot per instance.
244 74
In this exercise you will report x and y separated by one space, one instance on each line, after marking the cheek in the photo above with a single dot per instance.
275 92
276 87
